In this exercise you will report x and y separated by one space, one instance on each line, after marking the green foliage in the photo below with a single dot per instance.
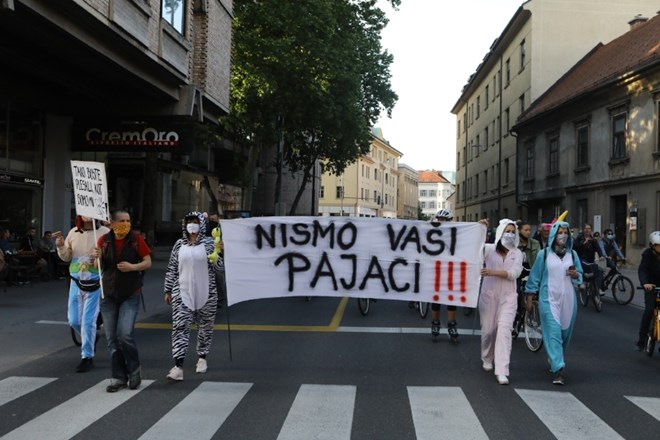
311 73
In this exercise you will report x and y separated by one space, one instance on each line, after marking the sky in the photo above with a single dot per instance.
437 45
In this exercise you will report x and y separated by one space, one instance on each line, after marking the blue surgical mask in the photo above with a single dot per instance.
610 236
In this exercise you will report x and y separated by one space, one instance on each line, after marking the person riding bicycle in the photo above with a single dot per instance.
649 278
586 247
529 247
609 250
444 215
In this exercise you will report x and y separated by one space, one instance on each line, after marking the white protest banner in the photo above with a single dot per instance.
90 189
378 258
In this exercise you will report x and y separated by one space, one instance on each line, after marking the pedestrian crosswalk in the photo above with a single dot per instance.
318 411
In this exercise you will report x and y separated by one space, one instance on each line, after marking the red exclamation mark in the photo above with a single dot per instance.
450 280
463 280
437 280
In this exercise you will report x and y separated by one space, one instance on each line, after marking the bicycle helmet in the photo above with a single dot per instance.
654 237
444 214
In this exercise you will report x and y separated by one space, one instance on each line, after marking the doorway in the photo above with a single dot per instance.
620 206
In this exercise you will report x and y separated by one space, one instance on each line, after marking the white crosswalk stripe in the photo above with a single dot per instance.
320 412
565 416
202 412
14 387
443 412
79 412
317 412
649 404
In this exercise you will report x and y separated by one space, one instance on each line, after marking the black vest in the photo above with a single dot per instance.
120 285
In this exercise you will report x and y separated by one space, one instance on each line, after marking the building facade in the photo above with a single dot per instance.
591 143
135 84
434 193
367 187
408 193
541 42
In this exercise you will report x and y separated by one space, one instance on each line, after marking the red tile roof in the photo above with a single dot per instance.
432 176
637 48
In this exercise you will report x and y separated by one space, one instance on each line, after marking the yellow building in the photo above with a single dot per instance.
367 187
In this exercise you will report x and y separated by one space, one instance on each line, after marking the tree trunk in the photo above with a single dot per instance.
301 190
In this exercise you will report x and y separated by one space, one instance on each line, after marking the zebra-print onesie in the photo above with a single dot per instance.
203 314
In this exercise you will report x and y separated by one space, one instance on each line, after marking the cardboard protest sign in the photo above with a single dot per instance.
378 258
90 189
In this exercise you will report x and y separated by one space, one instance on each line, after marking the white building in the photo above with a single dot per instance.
434 192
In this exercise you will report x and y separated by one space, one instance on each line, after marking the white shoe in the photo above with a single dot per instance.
487 366
502 379
176 373
201 366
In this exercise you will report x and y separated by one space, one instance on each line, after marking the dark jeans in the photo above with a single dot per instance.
598 274
649 304
119 322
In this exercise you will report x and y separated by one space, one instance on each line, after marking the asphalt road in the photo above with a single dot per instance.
318 369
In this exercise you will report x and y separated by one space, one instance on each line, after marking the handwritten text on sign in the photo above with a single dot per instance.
90 189
376 258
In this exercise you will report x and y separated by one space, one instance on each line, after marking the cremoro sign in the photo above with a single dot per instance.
268 257
173 135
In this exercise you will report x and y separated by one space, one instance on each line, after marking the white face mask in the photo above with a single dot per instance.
192 228
509 238
561 238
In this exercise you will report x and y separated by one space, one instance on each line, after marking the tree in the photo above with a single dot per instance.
309 77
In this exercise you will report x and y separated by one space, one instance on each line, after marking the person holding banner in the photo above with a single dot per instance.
499 299
85 288
444 215
555 273
190 288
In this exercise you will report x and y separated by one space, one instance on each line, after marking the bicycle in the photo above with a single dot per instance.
519 318
590 289
654 328
78 340
623 288
533 334
421 307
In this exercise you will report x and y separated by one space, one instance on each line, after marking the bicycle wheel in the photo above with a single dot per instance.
654 332
363 305
533 335
423 309
583 295
76 337
622 290
595 296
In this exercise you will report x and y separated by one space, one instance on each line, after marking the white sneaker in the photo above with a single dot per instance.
201 366
176 373
502 379
487 366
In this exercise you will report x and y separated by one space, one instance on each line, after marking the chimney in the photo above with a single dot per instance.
638 20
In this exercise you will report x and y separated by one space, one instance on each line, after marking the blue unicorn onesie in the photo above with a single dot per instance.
556 289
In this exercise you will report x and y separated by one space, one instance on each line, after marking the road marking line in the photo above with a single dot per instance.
71 417
565 416
320 412
17 386
649 404
443 412
201 413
